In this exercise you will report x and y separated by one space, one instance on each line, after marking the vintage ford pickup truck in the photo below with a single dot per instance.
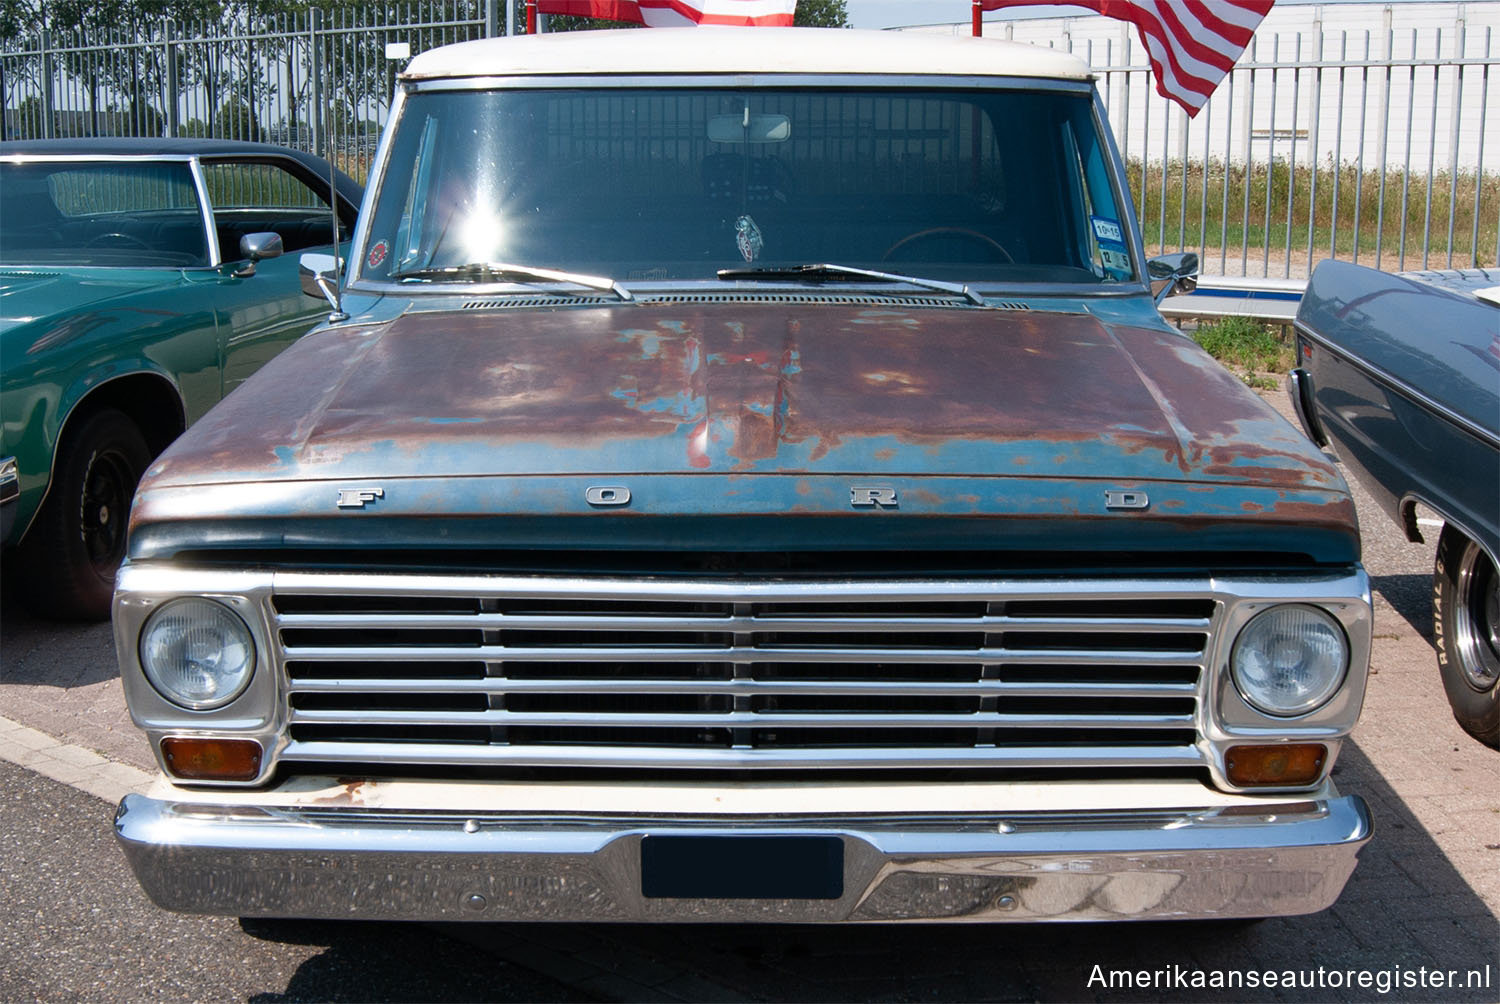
745 477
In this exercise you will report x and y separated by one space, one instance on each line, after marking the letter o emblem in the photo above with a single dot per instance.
608 495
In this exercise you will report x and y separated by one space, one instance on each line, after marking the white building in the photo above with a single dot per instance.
1406 83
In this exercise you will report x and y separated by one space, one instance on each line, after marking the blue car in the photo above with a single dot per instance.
1401 375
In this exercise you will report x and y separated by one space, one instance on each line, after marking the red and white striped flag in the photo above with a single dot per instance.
677 13
1192 43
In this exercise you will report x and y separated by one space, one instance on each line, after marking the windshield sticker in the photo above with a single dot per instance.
1108 230
1111 239
747 236
377 254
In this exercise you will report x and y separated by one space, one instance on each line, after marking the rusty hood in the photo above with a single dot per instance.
746 388
746 425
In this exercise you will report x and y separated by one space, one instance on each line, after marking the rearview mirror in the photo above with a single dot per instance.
749 128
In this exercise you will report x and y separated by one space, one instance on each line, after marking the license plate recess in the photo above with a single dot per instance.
676 866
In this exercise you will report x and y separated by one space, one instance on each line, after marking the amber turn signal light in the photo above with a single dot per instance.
1281 765
194 759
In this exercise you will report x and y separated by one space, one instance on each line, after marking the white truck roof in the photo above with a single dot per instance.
717 50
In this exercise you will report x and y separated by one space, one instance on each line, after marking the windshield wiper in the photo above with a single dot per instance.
507 272
827 271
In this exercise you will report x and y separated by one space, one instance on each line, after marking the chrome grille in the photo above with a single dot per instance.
555 671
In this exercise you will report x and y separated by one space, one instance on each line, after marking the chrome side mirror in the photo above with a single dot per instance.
255 247
266 244
1172 273
319 275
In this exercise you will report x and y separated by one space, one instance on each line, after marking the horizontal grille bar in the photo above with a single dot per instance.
731 687
737 655
648 758
709 623
746 719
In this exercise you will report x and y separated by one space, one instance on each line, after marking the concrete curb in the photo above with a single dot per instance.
72 765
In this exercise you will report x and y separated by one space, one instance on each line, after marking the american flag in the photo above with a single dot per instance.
676 13
1192 43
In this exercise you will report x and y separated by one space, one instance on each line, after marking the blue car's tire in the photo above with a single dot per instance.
74 548
1466 623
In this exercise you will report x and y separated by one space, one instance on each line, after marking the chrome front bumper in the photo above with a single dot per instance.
352 862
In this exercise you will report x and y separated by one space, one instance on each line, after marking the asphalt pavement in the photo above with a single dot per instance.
1420 911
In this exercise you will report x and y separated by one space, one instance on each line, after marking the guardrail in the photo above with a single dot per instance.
1271 301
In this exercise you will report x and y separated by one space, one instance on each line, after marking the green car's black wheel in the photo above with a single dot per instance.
1466 621
75 546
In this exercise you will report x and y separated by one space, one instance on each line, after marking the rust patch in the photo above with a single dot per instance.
350 791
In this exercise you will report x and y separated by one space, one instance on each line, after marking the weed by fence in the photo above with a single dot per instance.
1388 217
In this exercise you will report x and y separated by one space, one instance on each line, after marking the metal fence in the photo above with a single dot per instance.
1361 137
1366 144
313 79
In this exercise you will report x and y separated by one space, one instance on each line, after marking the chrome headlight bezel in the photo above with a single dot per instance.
1264 630
214 617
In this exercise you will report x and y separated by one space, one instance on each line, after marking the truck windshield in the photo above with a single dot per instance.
663 184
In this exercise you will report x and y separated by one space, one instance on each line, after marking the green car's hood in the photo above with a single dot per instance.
28 295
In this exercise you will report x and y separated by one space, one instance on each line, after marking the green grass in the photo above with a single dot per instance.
1255 352
1196 195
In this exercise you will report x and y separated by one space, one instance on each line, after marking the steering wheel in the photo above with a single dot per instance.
118 240
973 236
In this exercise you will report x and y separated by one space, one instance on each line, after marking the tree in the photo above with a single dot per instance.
26 122
236 120
810 14
822 14
135 70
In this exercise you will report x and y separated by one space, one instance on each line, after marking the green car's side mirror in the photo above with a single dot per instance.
256 247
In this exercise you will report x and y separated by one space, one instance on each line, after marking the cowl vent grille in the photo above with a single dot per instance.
843 299
532 302
839 299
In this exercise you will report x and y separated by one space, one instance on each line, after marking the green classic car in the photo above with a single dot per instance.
140 282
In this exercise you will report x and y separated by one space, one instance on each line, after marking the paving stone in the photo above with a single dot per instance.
562 967
30 739
630 965
688 987
60 770
613 987
77 756
1447 942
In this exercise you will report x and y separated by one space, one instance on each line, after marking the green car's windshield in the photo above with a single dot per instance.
107 213
645 185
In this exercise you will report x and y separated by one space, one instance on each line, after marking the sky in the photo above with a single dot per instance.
893 13
889 13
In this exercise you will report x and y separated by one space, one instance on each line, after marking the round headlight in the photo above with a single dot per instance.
197 653
1290 659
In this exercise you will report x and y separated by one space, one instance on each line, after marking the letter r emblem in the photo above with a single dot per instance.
865 497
